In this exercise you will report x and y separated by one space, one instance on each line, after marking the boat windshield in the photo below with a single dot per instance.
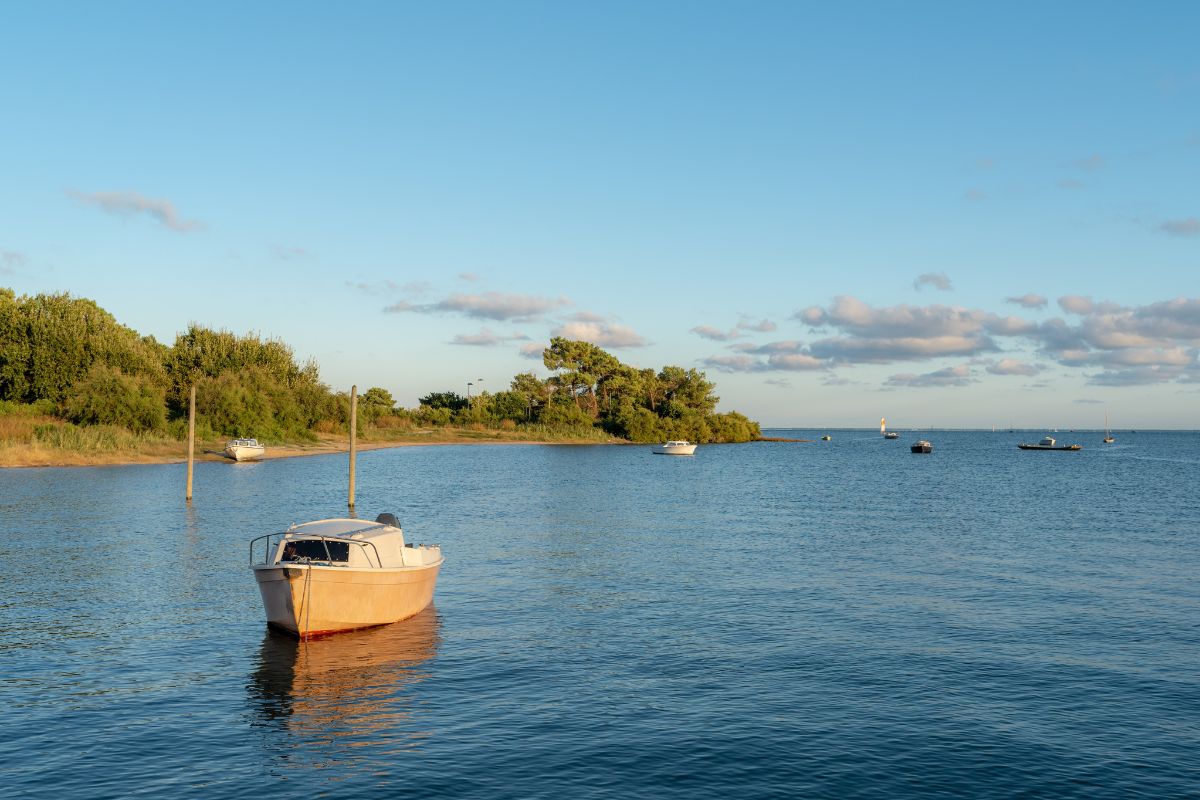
314 550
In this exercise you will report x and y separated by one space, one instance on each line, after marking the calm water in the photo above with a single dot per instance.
834 619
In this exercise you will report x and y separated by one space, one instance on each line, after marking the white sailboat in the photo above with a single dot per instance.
1108 437
884 432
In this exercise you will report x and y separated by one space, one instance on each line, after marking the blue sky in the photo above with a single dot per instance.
949 216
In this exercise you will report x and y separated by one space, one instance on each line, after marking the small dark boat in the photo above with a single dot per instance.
1048 443
922 446
826 438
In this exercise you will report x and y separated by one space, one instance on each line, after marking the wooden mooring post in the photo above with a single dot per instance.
191 440
353 438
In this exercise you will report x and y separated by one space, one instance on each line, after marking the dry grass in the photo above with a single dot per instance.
48 442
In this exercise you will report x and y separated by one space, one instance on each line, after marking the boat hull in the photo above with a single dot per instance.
1048 447
312 600
675 450
918 448
243 453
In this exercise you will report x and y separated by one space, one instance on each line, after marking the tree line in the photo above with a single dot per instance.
69 357
592 388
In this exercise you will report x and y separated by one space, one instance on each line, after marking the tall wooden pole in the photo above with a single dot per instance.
191 440
353 437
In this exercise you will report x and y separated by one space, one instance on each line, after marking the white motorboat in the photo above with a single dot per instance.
675 448
336 575
1049 443
244 450
922 446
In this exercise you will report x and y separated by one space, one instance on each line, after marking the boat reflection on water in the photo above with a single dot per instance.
353 690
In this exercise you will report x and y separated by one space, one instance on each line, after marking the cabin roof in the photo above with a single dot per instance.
349 528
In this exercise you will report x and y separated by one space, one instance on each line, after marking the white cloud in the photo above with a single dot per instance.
785 356
601 334
585 316
770 348
1181 227
1028 301
1132 344
488 305
377 287
287 252
130 203
716 334
950 376
486 338
1076 304
796 362
1010 366
739 363
533 350
10 260
762 326
938 280
904 332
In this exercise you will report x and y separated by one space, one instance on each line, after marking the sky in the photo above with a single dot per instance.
951 215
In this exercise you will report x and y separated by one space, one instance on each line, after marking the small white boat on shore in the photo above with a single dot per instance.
675 448
336 575
244 450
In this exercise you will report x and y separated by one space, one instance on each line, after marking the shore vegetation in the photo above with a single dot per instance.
76 386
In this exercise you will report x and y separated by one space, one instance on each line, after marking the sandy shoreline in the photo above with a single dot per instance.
31 458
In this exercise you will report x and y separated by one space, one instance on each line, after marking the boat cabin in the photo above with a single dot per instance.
1047 441
352 543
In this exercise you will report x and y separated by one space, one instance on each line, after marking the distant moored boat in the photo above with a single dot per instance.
675 448
244 450
1049 443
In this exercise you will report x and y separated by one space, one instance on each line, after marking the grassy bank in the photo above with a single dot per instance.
32 439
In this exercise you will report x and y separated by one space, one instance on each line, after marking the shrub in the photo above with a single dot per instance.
107 396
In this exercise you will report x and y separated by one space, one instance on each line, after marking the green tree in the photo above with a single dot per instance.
107 396
15 349
204 353
51 341
450 400
581 366
375 403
